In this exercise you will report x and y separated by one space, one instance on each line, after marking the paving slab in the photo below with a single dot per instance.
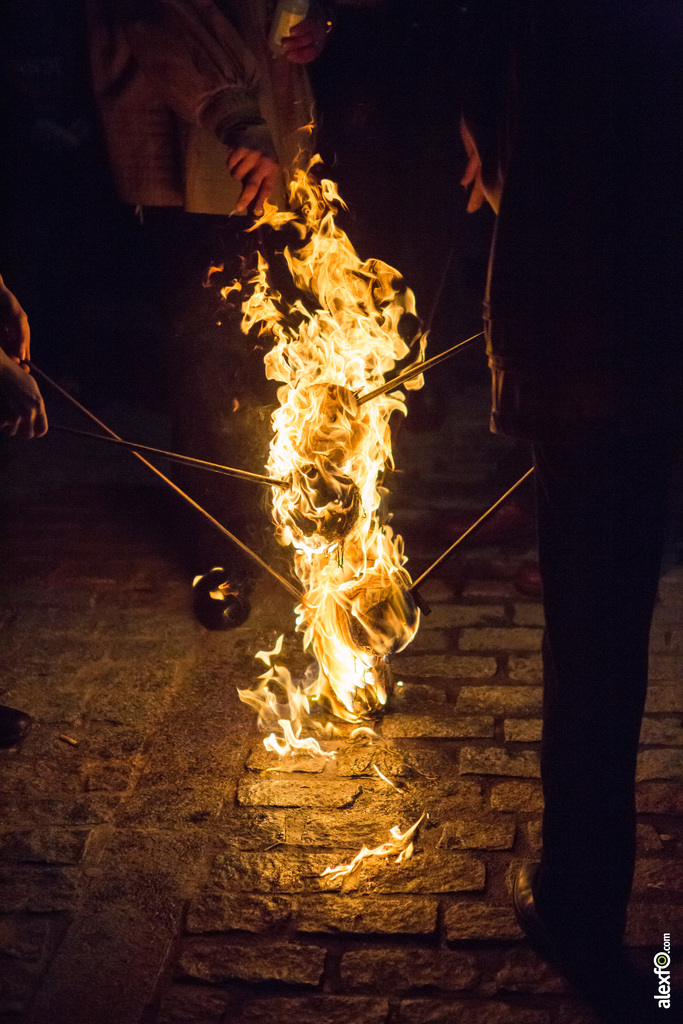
157 863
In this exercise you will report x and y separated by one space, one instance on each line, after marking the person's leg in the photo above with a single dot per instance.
217 390
601 512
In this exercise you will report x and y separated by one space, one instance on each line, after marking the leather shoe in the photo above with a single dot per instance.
601 975
541 937
14 726
218 603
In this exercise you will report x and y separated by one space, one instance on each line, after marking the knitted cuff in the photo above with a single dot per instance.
249 135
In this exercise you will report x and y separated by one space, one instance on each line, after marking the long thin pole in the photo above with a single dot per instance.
482 519
294 591
415 370
187 460
439 291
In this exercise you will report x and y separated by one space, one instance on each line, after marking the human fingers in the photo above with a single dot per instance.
242 162
477 197
32 418
234 157
24 409
305 42
258 184
9 425
40 423
25 425
471 171
11 416
249 191
17 340
265 191
15 333
23 335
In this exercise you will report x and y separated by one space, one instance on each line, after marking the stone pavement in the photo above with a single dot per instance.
155 869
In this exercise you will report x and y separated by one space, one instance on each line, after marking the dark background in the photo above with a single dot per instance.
387 89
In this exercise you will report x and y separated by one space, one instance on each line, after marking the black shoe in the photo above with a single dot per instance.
527 915
14 726
602 975
220 604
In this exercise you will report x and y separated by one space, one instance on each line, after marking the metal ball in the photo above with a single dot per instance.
386 624
328 503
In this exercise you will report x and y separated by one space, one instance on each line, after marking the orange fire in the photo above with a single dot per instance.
400 846
337 341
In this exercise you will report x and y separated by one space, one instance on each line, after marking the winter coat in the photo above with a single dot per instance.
572 104
176 81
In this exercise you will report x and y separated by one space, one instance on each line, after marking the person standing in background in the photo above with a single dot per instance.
22 414
200 110
206 109
571 131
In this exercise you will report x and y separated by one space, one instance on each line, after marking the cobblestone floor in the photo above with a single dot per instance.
155 871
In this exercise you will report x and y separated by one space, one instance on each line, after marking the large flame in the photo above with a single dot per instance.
335 342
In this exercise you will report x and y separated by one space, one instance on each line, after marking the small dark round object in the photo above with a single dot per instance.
409 328
216 605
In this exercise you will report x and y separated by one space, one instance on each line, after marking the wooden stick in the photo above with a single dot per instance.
482 519
294 591
415 370
212 467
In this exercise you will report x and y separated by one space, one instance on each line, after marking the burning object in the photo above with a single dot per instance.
382 618
329 503
339 339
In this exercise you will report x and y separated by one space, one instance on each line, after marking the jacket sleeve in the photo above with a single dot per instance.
199 66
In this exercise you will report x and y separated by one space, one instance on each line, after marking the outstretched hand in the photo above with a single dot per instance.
15 335
472 175
22 411
258 174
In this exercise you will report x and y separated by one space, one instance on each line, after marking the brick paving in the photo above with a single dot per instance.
154 870
157 866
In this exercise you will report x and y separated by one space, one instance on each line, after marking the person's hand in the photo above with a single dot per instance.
305 41
15 335
22 412
472 175
258 174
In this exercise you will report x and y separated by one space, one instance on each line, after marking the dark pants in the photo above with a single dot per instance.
217 394
601 525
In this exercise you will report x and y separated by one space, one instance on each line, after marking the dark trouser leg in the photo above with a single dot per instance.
601 516
217 389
